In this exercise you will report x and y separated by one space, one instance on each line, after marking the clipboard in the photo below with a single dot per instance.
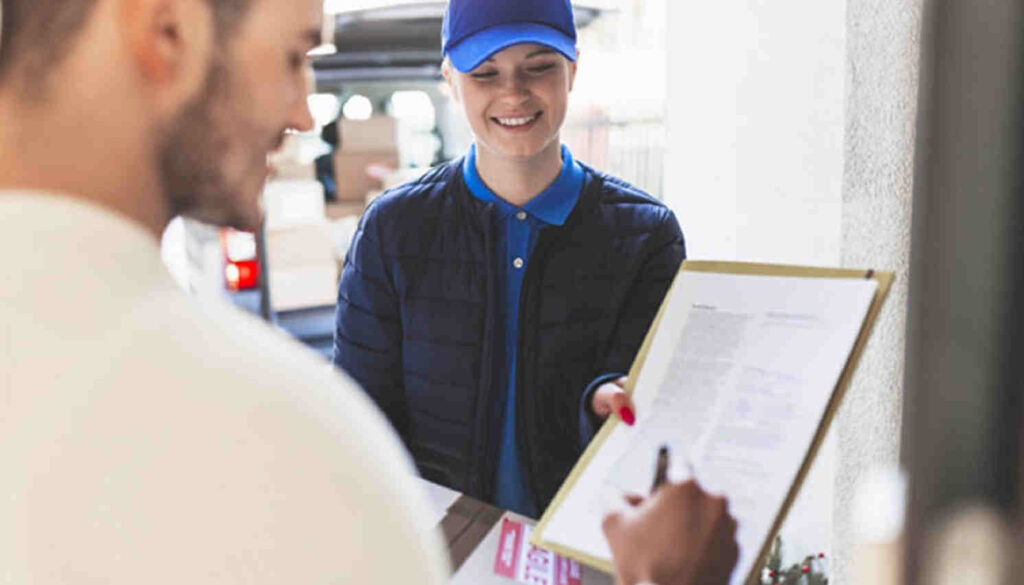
884 284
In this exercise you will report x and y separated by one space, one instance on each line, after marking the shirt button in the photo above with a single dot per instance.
521 216
518 263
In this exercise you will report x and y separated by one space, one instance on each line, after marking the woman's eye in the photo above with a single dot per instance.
541 68
296 60
483 75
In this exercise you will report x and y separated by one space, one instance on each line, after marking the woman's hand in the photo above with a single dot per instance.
611 397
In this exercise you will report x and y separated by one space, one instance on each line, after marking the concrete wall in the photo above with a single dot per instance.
883 50
791 135
756 122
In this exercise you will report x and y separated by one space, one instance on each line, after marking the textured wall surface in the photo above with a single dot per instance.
883 49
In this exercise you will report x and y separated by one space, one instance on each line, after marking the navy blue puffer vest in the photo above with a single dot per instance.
416 321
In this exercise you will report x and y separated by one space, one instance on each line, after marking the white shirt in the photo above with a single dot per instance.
147 437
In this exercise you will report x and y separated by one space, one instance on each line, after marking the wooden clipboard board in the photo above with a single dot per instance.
884 280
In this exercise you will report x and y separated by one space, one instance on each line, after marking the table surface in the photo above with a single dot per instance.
466 526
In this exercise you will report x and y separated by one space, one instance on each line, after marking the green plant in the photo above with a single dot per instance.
810 571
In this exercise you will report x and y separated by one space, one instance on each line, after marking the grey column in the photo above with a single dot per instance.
965 364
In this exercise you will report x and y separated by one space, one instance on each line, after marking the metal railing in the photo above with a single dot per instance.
632 150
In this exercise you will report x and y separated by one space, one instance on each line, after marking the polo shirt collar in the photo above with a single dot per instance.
551 206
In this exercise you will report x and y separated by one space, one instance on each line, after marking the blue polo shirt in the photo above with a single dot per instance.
518 228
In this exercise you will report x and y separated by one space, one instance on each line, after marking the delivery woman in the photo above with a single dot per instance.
492 307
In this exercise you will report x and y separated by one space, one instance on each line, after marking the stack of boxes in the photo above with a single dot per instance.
302 269
368 151
304 234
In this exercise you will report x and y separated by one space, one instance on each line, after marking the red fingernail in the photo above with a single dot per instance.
627 416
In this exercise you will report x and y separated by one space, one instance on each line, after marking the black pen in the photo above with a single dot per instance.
660 469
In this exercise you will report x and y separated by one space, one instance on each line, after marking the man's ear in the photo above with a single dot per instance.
170 41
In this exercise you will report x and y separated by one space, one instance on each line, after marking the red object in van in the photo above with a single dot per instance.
241 264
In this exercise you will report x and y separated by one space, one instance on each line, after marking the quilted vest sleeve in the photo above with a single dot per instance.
368 329
665 253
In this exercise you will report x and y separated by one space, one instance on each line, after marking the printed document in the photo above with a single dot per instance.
738 377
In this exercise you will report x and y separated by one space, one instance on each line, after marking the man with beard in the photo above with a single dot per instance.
149 437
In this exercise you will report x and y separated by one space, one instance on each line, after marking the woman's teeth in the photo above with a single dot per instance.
517 121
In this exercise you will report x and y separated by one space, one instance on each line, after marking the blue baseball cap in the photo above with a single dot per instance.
474 30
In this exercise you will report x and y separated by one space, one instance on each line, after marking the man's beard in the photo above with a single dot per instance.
192 155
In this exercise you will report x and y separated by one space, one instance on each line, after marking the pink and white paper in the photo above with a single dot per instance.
519 560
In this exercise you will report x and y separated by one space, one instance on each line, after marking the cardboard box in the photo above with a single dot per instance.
350 173
287 170
378 134
299 246
302 267
290 203
303 287
343 209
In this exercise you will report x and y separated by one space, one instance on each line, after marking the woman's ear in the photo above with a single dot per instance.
573 66
449 77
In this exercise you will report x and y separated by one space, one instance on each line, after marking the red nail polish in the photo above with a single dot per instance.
627 416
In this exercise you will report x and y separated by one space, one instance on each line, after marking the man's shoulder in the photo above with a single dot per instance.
220 359
210 414
255 351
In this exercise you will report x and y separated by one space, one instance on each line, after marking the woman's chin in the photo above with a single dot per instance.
520 151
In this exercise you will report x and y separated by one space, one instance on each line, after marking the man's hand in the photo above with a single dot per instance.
678 536
611 397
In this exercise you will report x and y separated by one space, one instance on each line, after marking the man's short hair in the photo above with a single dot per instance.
36 35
